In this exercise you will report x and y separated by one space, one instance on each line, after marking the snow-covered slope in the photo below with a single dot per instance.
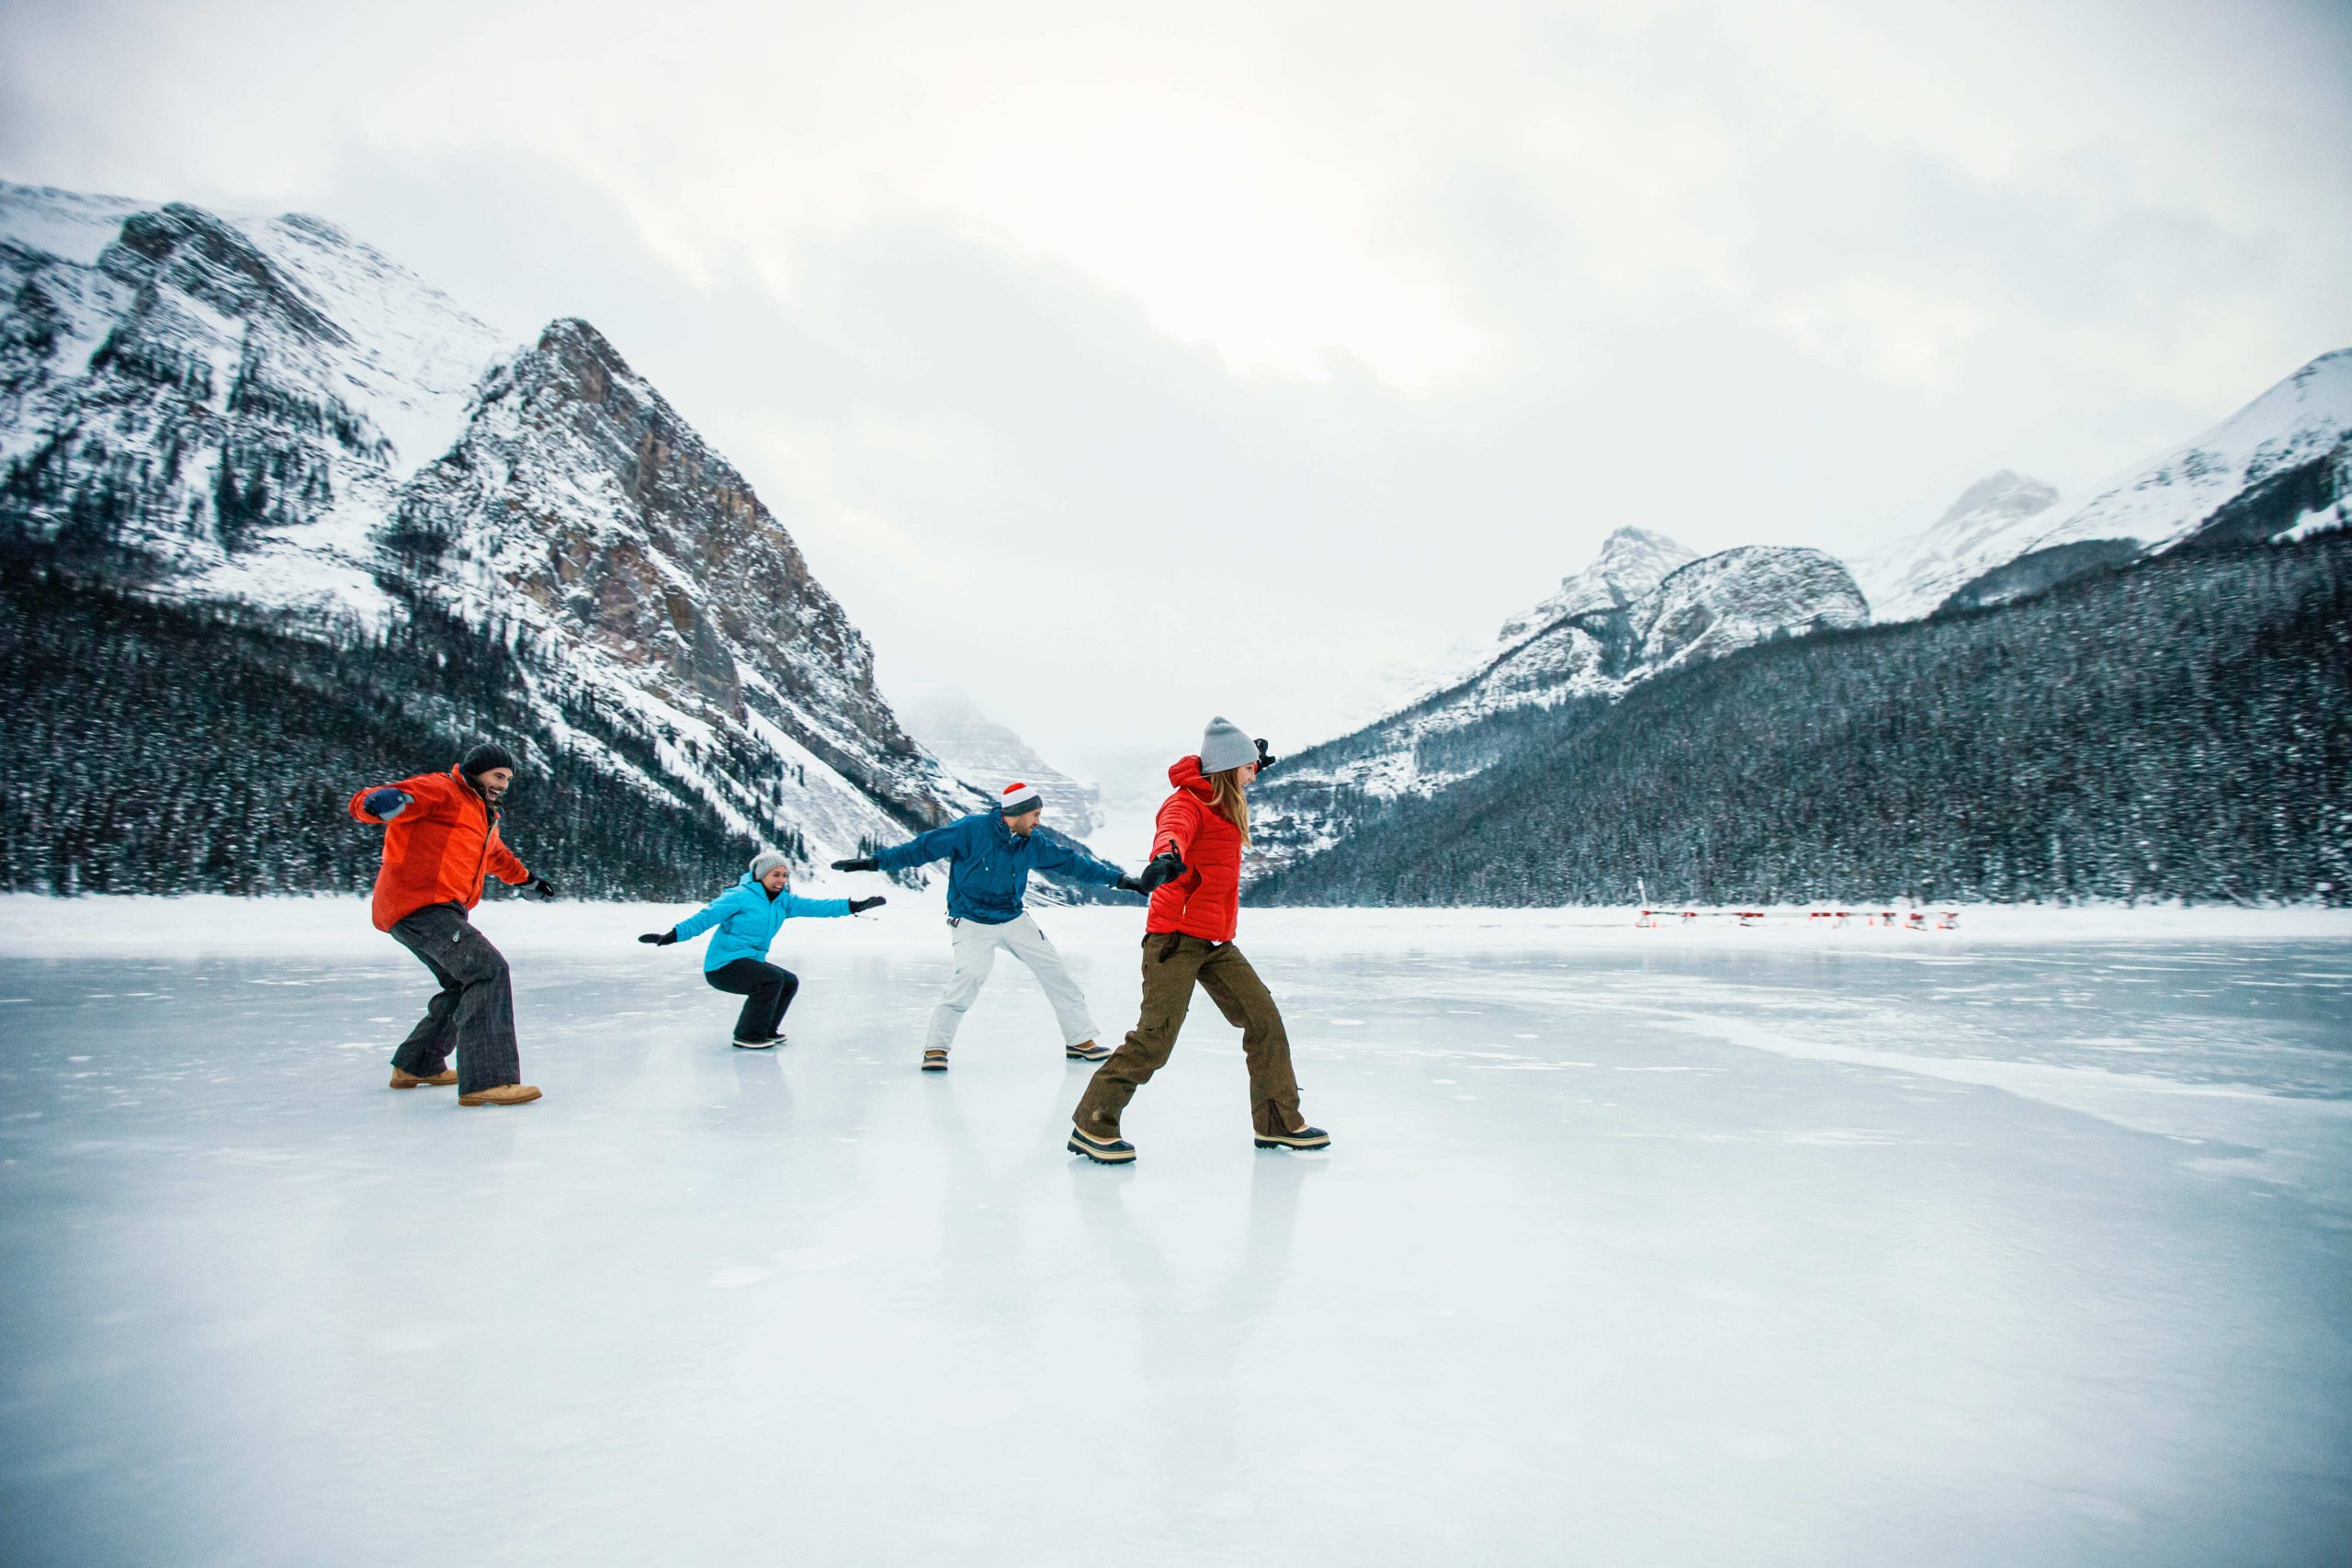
2282 465
976 749
267 411
1644 605
2299 428
1727 601
1978 532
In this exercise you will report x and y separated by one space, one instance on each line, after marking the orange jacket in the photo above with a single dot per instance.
438 850
1205 901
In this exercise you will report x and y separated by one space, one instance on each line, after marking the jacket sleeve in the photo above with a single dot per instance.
923 848
502 863
1179 820
710 915
426 788
1074 860
823 908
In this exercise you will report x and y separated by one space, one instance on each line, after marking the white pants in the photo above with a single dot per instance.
976 950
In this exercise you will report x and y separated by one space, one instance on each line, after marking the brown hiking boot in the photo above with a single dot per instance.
504 1094
441 1080
1113 1150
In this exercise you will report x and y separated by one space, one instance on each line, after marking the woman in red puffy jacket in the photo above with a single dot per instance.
1188 937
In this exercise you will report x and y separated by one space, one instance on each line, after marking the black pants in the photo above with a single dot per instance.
767 989
472 1014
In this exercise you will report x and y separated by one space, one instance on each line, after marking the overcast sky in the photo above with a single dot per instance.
1124 363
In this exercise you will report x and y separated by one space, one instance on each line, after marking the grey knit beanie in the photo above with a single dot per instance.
1224 746
764 862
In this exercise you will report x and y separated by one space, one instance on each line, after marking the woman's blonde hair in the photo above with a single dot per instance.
1232 801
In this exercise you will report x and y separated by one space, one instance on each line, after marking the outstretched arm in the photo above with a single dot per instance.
381 803
921 850
504 865
710 915
1073 859
797 908
1172 830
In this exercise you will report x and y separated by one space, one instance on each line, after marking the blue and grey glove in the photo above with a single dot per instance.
541 886
387 803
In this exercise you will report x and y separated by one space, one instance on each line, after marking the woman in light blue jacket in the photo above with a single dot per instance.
747 916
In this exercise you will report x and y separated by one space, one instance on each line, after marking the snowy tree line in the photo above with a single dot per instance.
170 749
2180 729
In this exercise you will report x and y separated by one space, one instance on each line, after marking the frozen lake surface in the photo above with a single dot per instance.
2029 1244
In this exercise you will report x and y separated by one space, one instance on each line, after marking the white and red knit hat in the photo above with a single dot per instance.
1018 798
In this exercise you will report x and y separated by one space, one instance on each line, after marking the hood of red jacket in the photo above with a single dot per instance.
1185 774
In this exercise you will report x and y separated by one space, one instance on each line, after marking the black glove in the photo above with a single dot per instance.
541 886
387 803
1265 758
660 939
859 906
1165 867
865 864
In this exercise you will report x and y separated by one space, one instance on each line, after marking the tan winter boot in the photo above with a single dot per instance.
1085 1051
934 1061
504 1094
441 1080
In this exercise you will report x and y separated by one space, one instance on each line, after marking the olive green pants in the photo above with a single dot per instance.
1171 966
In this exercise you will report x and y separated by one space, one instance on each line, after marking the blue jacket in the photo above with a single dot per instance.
987 868
748 920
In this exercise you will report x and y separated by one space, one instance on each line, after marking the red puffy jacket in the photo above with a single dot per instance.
1206 900
438 850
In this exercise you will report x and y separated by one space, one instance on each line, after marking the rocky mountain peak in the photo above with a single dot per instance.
1741 596
1631 562
2001 494
268 412
1914 574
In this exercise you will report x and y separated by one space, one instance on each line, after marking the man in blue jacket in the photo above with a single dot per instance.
989 856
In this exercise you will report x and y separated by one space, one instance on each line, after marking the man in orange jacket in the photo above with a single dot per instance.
440 840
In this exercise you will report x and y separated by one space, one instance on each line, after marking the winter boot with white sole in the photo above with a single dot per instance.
1086 1051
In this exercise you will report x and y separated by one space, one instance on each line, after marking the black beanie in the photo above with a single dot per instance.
483 758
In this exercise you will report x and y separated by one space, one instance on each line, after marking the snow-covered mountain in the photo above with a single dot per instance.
1644 605
1740 596
2280 466
1978 532
975 747
266 410
2277 466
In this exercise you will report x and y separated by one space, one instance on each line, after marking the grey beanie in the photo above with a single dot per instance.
1224 746
764 862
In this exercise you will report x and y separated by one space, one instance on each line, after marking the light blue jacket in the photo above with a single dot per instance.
987 868
748 920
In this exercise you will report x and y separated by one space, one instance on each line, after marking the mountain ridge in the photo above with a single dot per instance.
266 413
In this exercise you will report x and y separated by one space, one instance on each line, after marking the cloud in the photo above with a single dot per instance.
1237 358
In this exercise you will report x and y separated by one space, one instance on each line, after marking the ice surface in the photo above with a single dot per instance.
2027 1244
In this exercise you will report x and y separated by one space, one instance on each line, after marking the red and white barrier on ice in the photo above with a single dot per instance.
1914 920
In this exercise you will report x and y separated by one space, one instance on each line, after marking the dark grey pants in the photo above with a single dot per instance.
472 1014
767 990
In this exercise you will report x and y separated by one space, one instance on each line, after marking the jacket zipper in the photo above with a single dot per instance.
489 826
